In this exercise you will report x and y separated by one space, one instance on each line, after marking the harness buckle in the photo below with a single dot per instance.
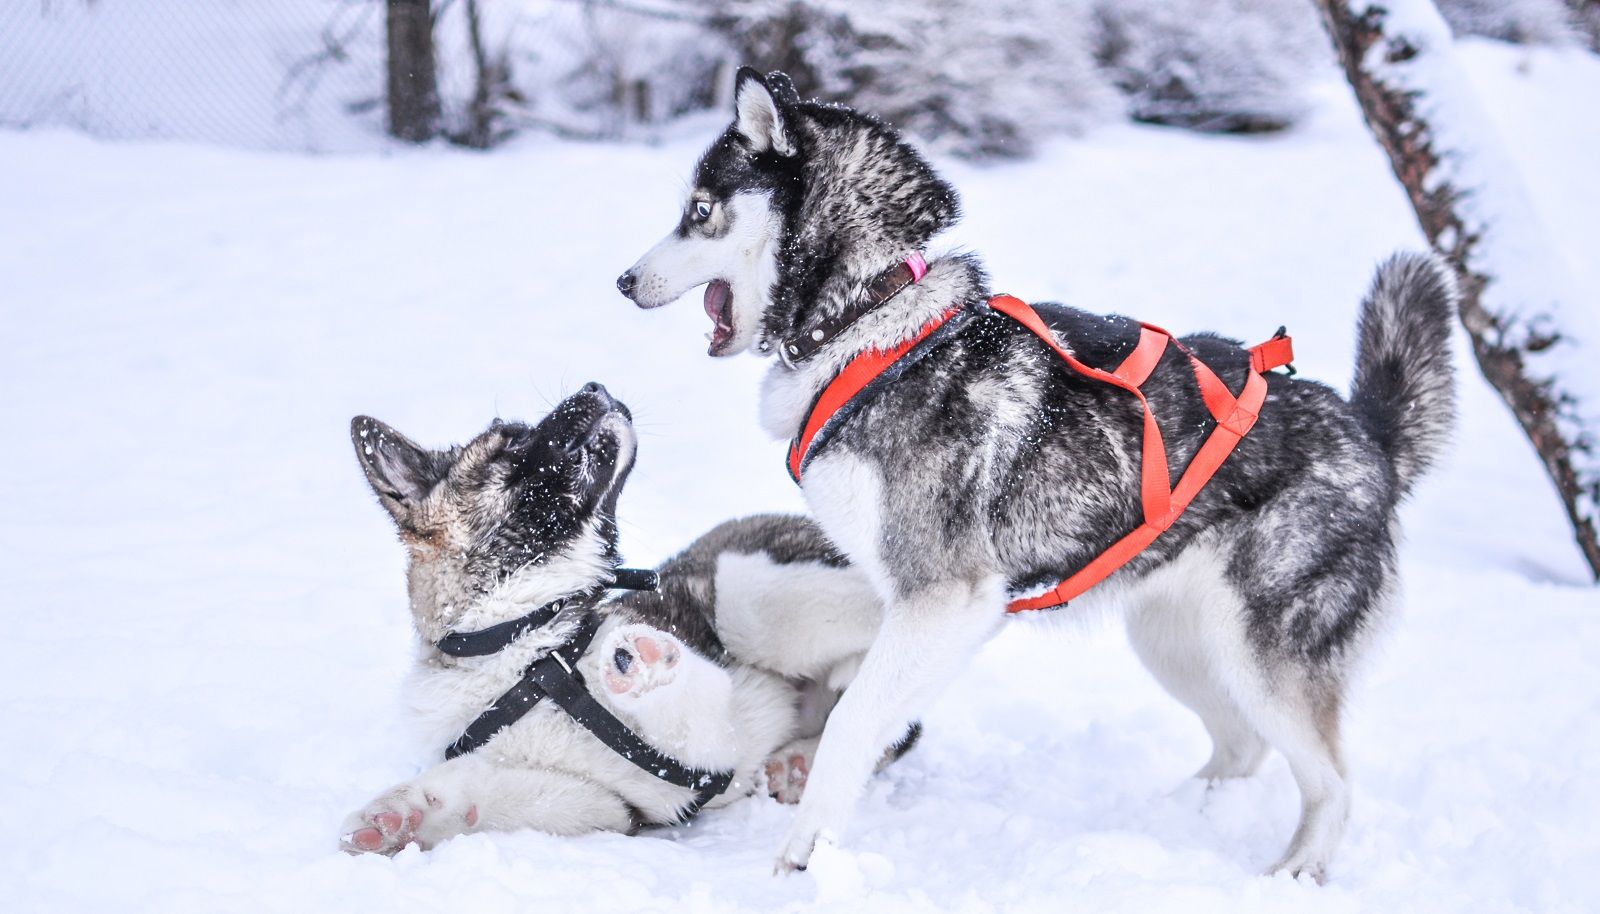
1277 352
782 348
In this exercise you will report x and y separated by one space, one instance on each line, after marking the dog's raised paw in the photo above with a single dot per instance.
638 658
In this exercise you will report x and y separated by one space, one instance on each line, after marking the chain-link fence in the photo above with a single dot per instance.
310 74
285 74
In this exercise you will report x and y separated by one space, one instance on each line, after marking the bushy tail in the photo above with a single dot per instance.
1404 389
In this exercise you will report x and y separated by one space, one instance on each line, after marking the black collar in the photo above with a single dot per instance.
891 282
495 638
555 676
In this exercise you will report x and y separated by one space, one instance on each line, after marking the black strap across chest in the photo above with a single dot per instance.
495 638
555 676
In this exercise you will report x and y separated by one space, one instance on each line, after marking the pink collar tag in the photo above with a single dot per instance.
919 267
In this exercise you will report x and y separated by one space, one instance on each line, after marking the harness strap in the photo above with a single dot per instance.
498 637
1161 502
567 691
864 376
515 703
555 676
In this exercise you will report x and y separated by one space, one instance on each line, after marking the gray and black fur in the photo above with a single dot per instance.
685 603
990 468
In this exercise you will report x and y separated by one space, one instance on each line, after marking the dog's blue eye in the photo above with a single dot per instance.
702 210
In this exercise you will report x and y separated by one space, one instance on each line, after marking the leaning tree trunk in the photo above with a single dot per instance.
1532 341
413 89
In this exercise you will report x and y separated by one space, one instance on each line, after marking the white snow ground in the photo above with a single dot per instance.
204 614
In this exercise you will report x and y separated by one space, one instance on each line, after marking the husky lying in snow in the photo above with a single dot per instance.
523 516
988 468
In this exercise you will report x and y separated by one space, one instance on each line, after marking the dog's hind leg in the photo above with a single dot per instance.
470 794
1312 612
923 643
1191 638
676 699
788 769
1237 750
1306 731
1191 631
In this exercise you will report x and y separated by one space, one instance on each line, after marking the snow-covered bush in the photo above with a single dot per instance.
1586 20
575 68
979 78
1215 65
1519 21
601 71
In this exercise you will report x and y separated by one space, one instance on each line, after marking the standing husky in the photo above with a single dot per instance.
988 468
522 517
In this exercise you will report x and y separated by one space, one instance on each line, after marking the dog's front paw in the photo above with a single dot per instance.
796 851
638 658
409 814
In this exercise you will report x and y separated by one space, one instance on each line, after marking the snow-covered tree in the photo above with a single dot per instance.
978 78
616 70
1518 21
1586 21
1536 343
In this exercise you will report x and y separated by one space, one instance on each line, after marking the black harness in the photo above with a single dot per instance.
555 676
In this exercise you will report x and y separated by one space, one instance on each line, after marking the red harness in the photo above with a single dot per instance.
1162 502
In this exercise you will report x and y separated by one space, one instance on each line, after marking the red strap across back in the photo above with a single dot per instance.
861 371
1162 502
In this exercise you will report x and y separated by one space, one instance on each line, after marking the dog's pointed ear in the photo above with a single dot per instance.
782 89
759 111
400 471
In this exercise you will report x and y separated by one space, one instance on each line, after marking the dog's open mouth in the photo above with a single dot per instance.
719 307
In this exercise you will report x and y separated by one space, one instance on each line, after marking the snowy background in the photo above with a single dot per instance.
204 609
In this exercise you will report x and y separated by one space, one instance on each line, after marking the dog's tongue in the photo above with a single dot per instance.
719 307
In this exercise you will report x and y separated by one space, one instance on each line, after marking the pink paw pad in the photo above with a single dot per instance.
649 650
367 839
786 778
634 661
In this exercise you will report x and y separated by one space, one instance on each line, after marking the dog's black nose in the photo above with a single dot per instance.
626 282
622 659
595 387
